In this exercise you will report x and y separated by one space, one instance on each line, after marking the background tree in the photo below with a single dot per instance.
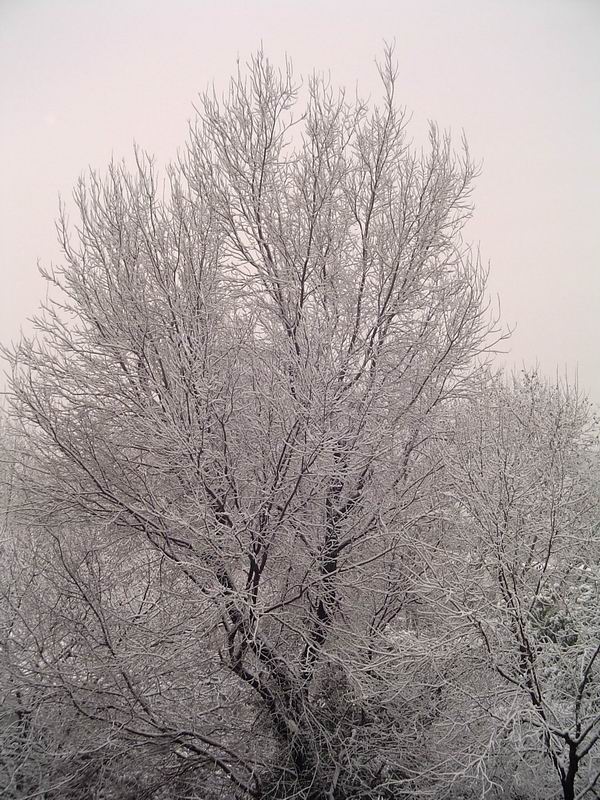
522 571
230 409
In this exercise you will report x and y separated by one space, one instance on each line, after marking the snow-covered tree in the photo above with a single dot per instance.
521 571
229 410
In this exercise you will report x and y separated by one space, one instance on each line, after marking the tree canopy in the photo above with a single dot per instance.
280 532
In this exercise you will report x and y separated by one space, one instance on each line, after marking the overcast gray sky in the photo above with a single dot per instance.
80 80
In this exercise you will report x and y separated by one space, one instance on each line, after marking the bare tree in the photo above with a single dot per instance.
523 572
233 395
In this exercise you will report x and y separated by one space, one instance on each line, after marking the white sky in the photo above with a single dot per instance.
80 80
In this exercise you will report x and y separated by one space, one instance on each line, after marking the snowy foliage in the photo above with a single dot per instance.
275 530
